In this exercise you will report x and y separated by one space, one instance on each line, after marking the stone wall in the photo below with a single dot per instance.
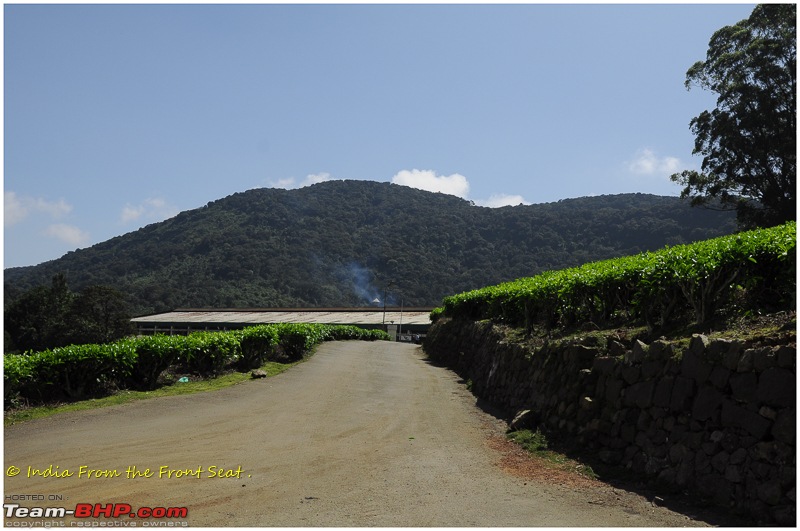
715 418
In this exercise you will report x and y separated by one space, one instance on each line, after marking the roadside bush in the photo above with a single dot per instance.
694 280
209 353
80 371
155 354
257 345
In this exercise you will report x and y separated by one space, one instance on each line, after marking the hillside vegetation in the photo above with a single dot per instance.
746 273
340 243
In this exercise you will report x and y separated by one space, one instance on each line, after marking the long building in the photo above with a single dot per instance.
412 320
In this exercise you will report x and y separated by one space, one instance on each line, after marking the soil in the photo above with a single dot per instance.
361 434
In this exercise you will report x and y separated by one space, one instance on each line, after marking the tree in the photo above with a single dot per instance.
48 317
748 142
37 320
99 314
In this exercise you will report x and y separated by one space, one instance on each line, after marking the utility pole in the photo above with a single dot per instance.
385 290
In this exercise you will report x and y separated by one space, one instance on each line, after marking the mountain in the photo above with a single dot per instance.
339 243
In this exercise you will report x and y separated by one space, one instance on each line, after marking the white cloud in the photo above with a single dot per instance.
16 208
290 182
13 209
455 184
68 234
501 200
646 162
316 178
151 209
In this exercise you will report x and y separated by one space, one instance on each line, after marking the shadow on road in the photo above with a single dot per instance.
619 478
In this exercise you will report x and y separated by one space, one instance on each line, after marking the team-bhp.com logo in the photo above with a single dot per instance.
95 510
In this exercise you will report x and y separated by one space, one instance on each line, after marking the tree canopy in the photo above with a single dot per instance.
48 317
748 142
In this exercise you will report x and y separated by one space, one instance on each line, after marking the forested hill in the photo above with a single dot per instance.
339 243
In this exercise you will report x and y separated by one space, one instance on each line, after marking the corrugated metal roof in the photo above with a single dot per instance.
368 316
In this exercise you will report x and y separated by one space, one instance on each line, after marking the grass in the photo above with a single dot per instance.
23 414
535 442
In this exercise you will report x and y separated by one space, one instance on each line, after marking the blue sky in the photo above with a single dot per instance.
117 116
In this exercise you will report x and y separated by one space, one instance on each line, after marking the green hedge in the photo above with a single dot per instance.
80 371
695 279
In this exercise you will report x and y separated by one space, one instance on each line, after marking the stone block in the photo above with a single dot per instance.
685 473
733 474
707 402
615 348
695 367
613 389
679 453
745 361
631 373
786 356
637 353
784 428
627 433
698 344
640 394
744 386
785 515
658 413
720 461
588 404
660 350
604 364
719 377
776 387
738 456
735 416
764 358
768 413
770 492
651 368
730 358
682 394
663 392
581 355
717 349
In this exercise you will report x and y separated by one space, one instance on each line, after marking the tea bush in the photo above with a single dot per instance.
80 371
695 279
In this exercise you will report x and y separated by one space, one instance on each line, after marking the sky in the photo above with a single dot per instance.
118 116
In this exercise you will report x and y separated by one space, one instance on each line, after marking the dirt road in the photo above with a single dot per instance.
362 434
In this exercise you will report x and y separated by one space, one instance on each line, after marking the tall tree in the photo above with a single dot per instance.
748 142
48 317
98 314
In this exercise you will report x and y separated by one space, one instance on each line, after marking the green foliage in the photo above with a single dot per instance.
79 371
208 353
49 317
154 354
70 372
532 441
336 244
536 443
257 345
655 285
748 142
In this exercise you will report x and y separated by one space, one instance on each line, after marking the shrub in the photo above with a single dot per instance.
656 286
79 371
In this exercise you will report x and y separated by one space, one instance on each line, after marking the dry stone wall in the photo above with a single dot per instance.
716 418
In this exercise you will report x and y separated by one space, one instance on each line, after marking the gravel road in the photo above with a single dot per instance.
362 434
